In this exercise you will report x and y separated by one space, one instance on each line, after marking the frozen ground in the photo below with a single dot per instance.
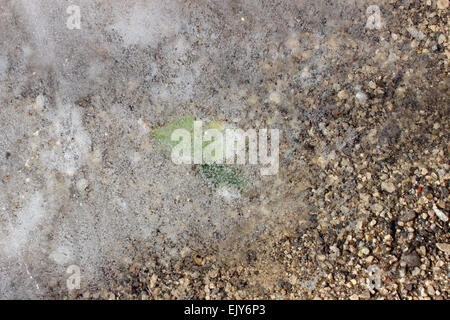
362 104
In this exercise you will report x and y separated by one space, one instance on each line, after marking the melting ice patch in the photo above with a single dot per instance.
3 66
22 229
62 255
69 141
147 23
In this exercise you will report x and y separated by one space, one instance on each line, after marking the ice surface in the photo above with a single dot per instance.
86 184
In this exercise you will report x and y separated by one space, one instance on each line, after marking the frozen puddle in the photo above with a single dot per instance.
84 183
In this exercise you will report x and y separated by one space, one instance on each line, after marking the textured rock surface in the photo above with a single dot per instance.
363 182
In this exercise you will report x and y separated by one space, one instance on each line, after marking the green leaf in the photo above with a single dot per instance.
216 174
163 134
